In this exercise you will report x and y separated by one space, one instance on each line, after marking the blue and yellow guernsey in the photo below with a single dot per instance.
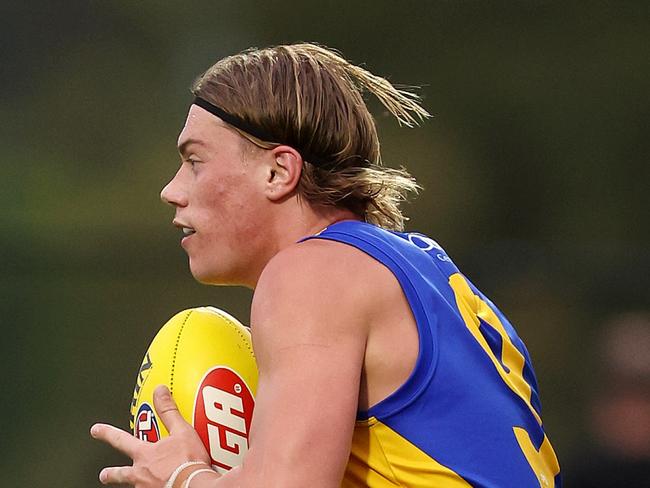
469 414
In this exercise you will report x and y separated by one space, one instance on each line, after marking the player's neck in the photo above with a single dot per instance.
324 217
297 222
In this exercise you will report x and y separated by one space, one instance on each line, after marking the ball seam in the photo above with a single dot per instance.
178 340
239 332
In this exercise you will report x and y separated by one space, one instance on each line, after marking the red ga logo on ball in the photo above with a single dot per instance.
223 410
146 425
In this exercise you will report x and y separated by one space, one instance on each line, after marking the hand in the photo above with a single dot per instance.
153 463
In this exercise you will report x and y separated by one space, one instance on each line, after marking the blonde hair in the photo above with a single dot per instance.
309 97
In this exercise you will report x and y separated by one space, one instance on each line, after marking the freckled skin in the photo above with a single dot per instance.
220 196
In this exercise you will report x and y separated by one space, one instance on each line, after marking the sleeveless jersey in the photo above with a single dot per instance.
469 414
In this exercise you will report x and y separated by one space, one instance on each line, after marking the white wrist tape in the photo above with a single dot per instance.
191 477
177 471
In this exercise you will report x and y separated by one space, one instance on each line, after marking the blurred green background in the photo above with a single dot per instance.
535 169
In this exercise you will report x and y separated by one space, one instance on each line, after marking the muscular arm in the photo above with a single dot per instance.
309 334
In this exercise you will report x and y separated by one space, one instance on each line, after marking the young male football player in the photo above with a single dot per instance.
380 364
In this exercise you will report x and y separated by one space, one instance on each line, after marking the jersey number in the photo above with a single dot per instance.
510 367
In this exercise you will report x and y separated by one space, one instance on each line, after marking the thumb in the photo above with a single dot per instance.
167 410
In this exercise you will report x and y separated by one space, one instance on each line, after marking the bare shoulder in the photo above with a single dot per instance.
316 292
319 253
320 273
325 292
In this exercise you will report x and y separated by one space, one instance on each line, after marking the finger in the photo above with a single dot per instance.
167 410
120 440
117 474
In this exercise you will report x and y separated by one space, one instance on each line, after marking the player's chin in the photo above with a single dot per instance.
207 275
200 274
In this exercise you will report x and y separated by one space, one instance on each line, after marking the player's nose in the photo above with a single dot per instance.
173 194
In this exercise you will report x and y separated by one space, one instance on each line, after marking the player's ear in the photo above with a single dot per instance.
284 172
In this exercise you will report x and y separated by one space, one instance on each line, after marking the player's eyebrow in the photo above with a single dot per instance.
182 147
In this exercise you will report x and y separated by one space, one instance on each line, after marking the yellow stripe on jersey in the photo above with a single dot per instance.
380 457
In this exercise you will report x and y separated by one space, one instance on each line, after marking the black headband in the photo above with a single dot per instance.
252 129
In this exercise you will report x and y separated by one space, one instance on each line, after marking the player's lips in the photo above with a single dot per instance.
185 228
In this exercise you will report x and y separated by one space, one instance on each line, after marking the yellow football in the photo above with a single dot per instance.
205 358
